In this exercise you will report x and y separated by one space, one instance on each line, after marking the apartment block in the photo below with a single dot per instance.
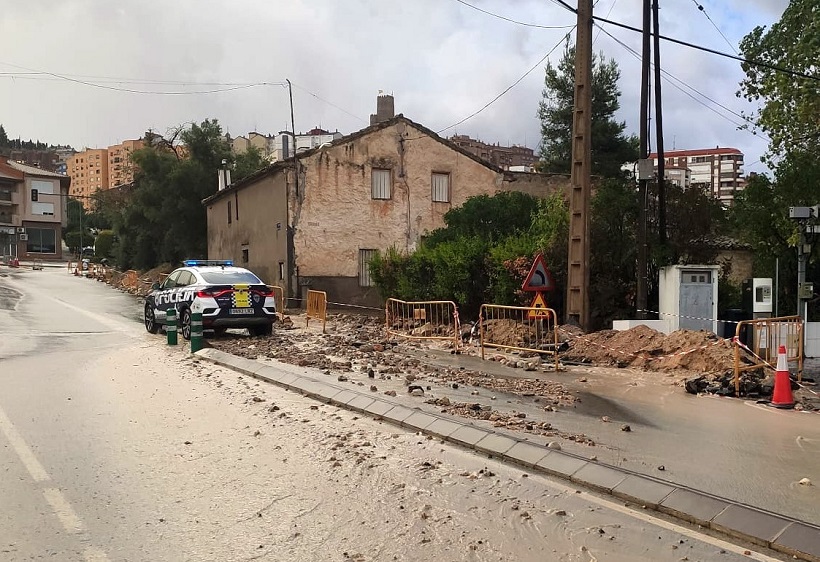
88 171
32 211
719 171
278 147
120 168
97 169
514 157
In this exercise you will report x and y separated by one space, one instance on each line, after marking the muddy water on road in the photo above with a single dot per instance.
732 448
188 461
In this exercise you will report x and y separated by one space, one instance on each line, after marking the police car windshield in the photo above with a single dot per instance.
230 277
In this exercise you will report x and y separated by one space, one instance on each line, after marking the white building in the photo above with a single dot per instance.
716 170
280 146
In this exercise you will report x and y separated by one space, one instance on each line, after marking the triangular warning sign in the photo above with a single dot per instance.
540 305
539 278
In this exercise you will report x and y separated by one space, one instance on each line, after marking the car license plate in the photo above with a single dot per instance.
241 311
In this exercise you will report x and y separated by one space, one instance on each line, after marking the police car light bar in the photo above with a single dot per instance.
201 263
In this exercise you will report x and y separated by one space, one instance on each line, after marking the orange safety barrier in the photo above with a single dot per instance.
278 297
761 339
316 308
422 320
519 328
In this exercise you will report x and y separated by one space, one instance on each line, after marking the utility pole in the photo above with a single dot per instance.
293 128
641 296
659 129
580 177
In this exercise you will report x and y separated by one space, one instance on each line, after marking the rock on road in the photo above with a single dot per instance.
114 446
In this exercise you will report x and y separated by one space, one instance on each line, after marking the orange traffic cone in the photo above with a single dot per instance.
782 396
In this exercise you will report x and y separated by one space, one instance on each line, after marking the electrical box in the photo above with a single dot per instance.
689 297
805 291
758 297
646 169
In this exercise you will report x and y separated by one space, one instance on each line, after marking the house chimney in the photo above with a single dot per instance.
385 109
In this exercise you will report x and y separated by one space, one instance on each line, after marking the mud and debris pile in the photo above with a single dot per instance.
136 283
644 348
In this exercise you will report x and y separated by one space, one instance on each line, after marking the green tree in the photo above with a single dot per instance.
4 138
104 244
248 162
163 220
488 217
611 148
790 112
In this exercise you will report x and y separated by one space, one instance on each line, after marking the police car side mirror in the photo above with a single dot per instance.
155 286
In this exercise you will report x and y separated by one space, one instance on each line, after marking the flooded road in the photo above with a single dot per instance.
732 448
114 446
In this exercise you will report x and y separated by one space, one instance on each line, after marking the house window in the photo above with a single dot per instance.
229 212
245 255
380 180
441 188
281 271
364 267
41 241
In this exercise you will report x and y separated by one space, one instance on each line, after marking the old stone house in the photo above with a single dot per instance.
384 186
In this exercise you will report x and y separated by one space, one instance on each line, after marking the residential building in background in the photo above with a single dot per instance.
120 168
51 159
719 171
88 171
515 157
32 211
98 169
278 147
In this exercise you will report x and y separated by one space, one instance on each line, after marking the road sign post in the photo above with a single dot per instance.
539 279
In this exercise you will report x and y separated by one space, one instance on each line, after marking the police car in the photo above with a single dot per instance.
227 297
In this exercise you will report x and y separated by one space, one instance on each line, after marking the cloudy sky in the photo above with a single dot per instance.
442 59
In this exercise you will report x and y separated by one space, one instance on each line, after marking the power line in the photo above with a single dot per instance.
510 87
703 11
118 80
669 77
698 47
68 78
525 24
343 110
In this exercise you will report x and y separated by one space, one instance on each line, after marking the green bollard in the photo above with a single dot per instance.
196 332
171 326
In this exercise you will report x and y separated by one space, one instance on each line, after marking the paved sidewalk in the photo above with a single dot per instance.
764 528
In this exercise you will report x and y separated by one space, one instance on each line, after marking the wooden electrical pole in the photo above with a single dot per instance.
641 293
659 128
581 172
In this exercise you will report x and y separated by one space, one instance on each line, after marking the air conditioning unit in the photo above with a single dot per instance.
21 230
23 237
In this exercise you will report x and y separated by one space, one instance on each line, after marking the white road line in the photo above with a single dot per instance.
65 513
55 498
94 554
35 469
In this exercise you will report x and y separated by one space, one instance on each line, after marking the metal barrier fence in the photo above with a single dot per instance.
519 328
316 308
762 338
278 297
422 320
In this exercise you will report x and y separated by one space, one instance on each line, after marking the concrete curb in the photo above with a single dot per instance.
791 536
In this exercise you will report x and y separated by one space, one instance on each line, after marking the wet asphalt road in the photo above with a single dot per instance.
115 447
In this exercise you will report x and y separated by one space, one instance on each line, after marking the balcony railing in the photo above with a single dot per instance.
7 218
